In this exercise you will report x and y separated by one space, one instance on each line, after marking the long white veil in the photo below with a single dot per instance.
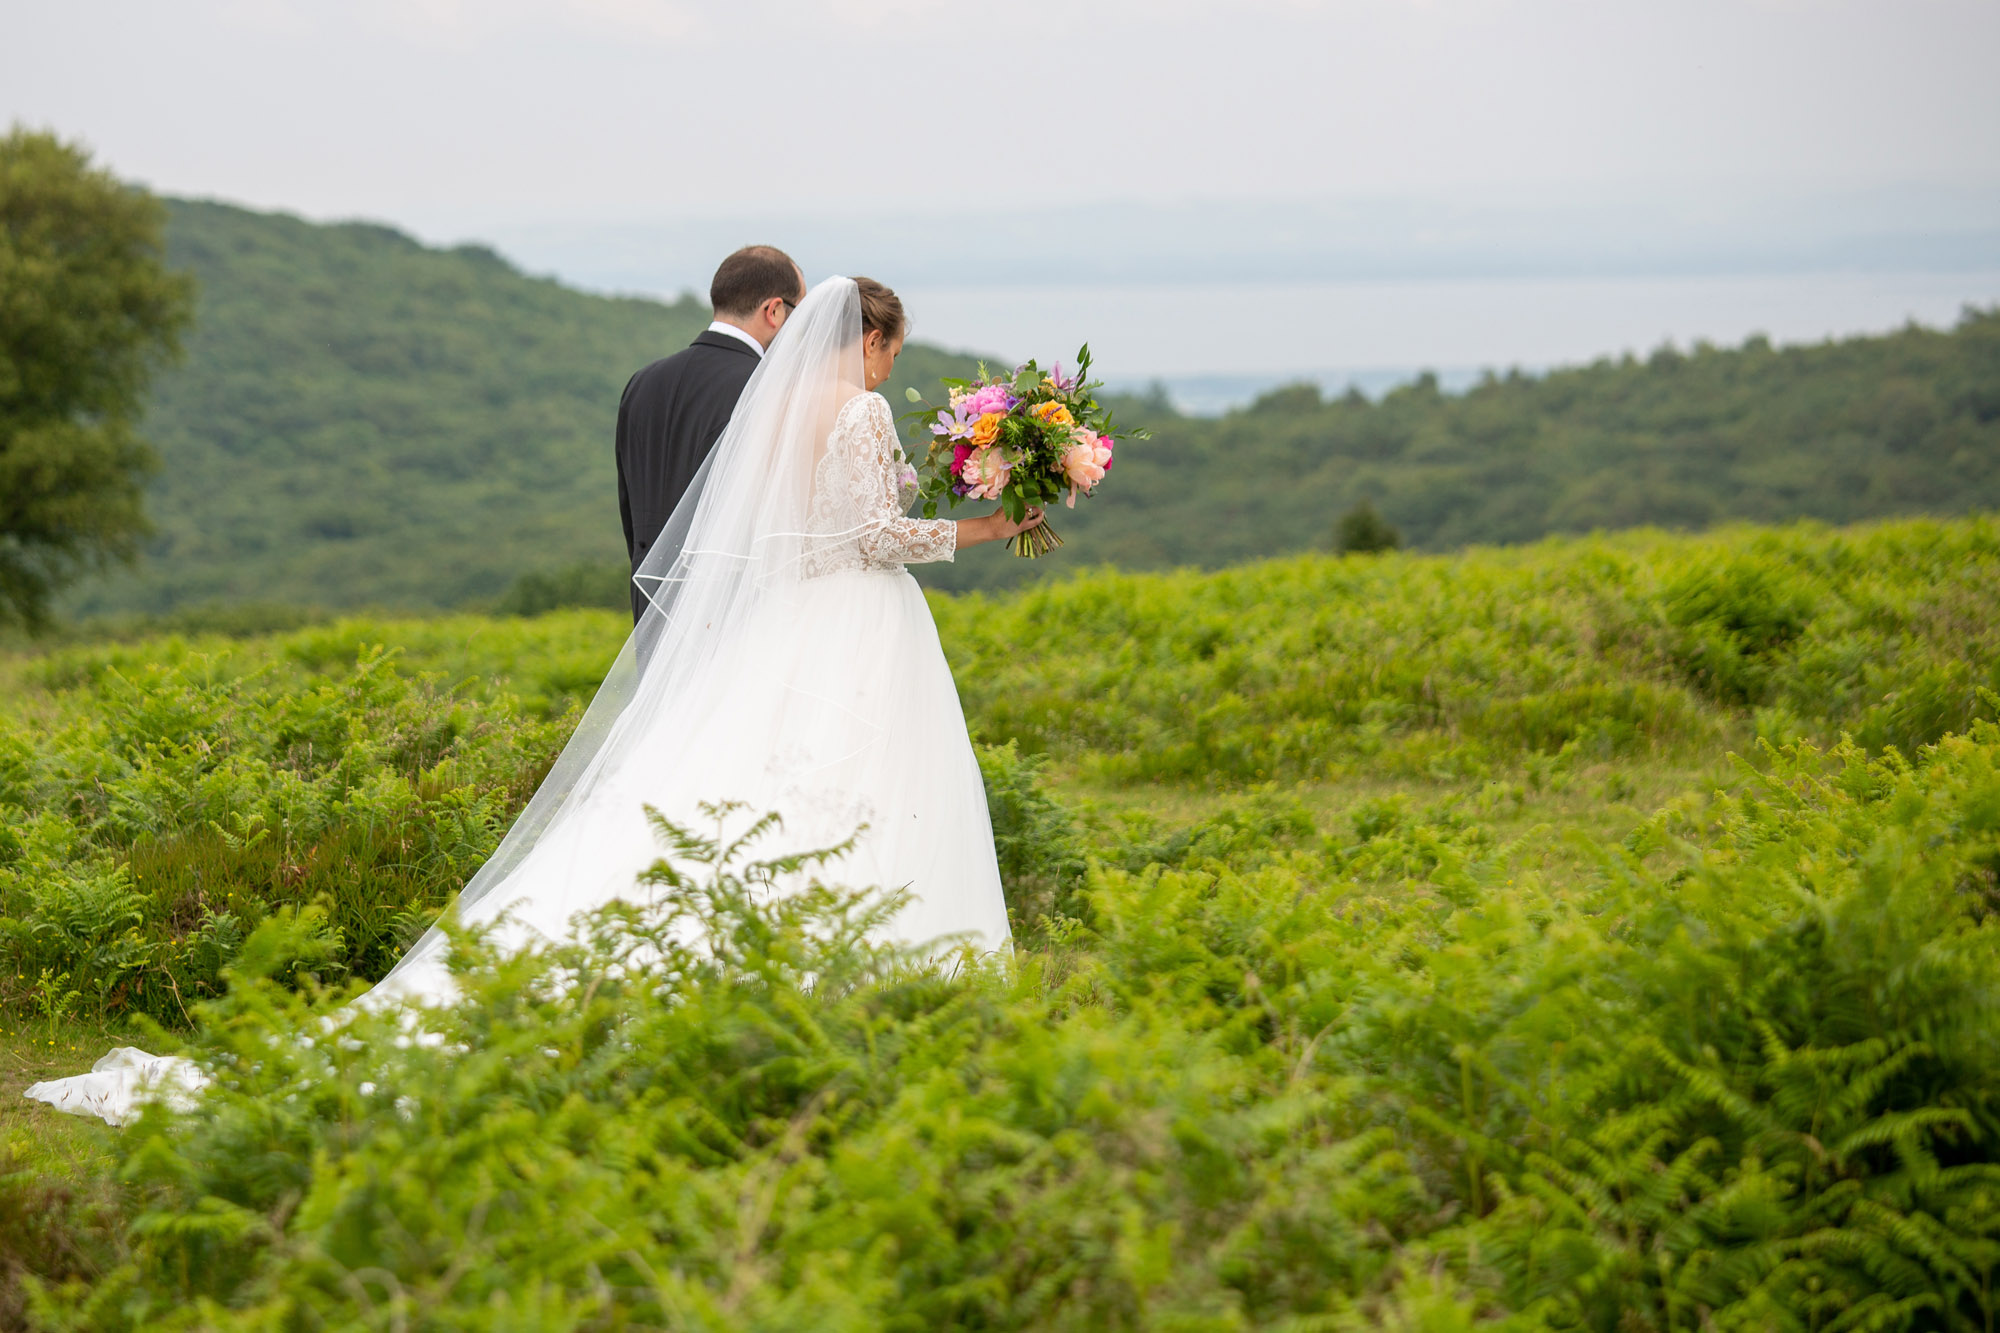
745 676
733 553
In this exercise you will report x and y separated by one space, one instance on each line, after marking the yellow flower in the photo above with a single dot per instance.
987 428
1055 412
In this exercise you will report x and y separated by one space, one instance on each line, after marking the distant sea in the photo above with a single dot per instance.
1213 395
1215 346
1220 299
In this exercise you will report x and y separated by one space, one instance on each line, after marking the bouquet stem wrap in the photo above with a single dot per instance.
1036 541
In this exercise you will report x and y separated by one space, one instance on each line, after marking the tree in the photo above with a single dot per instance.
586 583
1362 529
88 310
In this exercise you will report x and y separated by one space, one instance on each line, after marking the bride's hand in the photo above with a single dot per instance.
1009 528
995 527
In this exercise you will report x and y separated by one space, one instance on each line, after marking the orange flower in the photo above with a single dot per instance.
987 428
1055 412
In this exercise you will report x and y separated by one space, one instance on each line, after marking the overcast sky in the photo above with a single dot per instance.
622 144
458 114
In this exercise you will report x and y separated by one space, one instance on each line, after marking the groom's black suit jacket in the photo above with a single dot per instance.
671 415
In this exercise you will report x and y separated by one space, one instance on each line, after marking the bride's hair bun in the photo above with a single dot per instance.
881 310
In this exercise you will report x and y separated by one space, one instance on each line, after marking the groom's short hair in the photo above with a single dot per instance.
752 276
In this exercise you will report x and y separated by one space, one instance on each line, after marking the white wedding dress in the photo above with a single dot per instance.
791 663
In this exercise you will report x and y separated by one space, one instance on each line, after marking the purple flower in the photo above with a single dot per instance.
955 423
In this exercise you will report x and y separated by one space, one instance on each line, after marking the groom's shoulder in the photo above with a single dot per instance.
706 355
669 371
677 361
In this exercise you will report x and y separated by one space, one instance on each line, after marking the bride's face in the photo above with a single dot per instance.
878 356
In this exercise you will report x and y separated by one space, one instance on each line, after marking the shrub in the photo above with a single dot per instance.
1736 618
1362 531
178 802
1035 839
53 1229
589 584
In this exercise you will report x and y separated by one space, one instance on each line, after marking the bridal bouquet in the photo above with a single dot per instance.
1029 438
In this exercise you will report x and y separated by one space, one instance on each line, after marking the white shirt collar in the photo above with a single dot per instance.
719 327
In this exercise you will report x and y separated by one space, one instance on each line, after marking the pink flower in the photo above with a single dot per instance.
1084 463
992 398
986 471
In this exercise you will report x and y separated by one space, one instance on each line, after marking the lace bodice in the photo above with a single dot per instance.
860 489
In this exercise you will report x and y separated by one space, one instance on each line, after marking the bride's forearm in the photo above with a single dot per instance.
979 531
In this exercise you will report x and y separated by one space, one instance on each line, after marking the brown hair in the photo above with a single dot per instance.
752 276
881 310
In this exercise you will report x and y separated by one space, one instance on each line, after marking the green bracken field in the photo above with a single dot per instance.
1590 934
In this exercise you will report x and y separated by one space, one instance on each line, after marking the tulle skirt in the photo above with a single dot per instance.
837 712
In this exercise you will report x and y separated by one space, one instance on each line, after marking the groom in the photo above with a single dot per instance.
674 410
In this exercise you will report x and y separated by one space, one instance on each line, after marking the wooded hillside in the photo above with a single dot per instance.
363 420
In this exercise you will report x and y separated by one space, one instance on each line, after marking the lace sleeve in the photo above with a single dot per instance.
889 537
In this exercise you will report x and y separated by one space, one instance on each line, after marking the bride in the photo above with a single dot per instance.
786 660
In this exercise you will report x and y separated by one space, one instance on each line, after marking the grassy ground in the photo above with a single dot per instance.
33 1050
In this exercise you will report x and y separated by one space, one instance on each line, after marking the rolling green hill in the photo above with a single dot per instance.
361 419
365 421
